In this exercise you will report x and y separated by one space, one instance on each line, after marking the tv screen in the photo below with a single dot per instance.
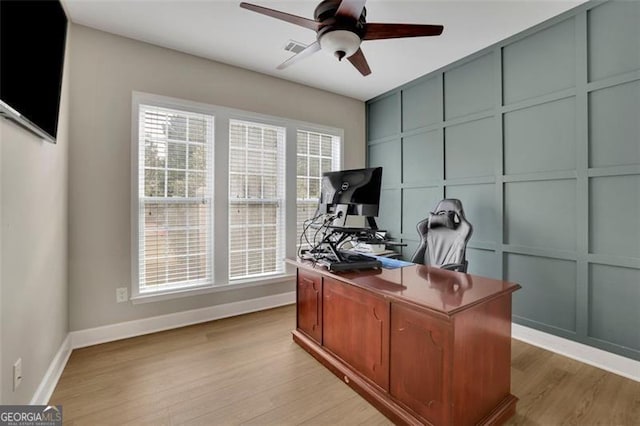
32 42
359 189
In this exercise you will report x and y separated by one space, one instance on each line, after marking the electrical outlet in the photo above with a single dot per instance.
17 374
122 294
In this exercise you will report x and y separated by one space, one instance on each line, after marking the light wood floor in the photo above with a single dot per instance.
247 370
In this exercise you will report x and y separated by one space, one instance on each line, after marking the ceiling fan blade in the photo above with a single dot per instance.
287 17
312 48
360 62
351 9
384 31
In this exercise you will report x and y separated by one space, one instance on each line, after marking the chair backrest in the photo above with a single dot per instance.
444 236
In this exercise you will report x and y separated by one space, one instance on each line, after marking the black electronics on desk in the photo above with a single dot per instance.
345 193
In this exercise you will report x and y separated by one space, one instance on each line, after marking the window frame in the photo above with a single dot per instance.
139 100
279 201
336 164
185 200
220 212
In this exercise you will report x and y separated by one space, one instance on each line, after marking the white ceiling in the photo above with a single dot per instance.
220 30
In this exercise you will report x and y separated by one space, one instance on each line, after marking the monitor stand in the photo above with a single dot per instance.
371 221
341 213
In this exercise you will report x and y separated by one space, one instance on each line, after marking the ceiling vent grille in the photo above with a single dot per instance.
294 46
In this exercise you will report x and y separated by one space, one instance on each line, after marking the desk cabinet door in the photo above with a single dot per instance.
420 366
310 304
356 328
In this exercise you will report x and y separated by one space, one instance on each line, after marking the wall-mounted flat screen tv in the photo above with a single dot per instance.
32 43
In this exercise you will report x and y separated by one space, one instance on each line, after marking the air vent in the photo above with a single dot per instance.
294 46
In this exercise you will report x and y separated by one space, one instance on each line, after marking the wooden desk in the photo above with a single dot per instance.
423 345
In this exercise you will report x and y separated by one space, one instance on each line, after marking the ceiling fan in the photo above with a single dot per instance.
341 27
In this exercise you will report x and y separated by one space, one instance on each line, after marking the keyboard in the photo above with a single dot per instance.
352 261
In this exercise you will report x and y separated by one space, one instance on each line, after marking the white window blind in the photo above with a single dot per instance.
175 194
316 153
256 199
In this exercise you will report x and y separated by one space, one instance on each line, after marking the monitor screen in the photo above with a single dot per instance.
32 44
357 189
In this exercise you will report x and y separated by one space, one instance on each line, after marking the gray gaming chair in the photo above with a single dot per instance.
444 236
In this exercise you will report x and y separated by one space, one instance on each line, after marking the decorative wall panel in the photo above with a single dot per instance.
530 134
420 106
467 141
469 88
614 39
614 293
541 63
548 294
539 136
541 214
422 157
614 216
614 125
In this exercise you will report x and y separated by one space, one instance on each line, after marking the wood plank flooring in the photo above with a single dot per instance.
247 370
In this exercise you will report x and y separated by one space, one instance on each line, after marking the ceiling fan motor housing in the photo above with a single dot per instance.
341 36
327 9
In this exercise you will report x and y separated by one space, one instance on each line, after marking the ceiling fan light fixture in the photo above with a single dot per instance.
340 43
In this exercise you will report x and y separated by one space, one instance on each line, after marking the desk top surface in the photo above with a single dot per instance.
437 289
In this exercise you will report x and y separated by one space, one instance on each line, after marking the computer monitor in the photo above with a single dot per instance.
352 192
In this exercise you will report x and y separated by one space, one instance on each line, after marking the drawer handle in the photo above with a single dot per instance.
346 379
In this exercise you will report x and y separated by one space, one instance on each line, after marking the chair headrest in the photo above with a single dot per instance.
450 204
448 213
442 218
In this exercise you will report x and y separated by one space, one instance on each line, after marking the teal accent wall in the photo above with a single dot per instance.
539 136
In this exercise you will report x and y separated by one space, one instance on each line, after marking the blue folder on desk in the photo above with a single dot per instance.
389 263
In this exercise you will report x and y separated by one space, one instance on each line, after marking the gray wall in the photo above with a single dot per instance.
106 69
33 251
539 136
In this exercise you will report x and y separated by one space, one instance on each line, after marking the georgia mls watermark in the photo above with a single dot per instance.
30 415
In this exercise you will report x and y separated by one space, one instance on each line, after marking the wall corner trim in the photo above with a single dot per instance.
604 360
50 380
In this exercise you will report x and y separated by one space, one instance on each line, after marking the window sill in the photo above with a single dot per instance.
195 291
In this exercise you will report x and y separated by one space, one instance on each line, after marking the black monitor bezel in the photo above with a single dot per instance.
329 201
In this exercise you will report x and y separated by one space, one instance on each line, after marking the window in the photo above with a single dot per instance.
175 198
316 153
198 229
256 199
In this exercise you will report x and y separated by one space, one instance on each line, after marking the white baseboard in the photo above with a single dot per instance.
608 361
124 330
51 377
